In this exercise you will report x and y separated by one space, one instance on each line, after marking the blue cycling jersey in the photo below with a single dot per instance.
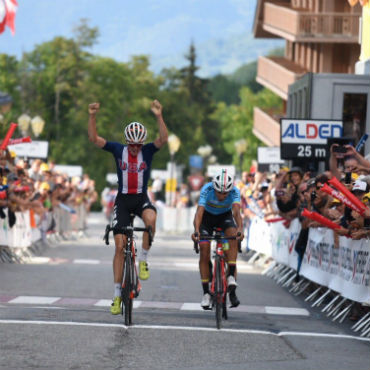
209 201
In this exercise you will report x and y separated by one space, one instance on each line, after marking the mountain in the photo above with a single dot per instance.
220 56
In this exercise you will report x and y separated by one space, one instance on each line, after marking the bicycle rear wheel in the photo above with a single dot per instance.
218 294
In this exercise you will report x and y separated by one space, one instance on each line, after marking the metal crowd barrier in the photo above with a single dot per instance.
23 241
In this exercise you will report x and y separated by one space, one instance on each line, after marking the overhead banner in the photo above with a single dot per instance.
268 159
307 139
36 149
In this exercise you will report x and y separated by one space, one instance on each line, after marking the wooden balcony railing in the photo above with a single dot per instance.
277 73
266 127
295 25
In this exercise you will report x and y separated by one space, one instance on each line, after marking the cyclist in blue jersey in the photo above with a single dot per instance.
133 163
218 206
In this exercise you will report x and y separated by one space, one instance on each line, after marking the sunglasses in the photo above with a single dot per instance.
222 192
135 145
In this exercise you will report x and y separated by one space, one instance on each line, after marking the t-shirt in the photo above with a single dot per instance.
208 199
133 172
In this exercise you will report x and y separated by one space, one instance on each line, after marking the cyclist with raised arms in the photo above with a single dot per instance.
133 162
218 206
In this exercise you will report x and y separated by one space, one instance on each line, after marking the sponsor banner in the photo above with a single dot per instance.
342 265
36 149
307 138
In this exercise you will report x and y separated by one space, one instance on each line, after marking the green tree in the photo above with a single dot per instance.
237 122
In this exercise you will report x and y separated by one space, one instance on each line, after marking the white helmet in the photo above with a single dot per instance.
222 181
135 133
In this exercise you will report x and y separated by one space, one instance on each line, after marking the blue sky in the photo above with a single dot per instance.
160 28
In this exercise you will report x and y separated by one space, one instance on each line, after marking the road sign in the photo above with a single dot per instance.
307 139
268 159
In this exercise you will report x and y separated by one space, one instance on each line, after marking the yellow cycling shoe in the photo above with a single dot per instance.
143 270
115 308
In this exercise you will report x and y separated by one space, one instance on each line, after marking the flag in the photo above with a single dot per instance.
8 9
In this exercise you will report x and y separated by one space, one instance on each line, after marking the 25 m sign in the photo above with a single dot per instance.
307 138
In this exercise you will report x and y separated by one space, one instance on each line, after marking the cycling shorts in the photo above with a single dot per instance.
125 204
210 221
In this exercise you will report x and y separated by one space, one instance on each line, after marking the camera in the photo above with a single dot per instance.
313 195
348 178
340 149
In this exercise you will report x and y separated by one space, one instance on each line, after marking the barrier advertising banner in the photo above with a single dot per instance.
343 266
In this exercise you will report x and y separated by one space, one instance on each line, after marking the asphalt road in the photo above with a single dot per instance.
54 314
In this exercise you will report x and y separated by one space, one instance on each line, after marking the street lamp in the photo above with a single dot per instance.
37 124
241 147
24 121
204 151
212 159
173 146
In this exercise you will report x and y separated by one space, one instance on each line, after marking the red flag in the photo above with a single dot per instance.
8 9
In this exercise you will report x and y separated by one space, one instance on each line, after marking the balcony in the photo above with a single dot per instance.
266 127
277 73
303 26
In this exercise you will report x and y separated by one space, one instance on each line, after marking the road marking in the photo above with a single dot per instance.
286 311
34 300
187 328
183 306
86 261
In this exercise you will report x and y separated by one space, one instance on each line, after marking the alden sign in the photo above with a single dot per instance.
307 138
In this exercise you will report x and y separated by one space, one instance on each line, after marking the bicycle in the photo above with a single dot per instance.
218 276
130 284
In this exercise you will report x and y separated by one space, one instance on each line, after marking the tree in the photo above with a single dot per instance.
237 121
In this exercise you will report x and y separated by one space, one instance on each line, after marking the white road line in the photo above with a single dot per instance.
187 328
108 302
86 261
191 307
34 300
286 311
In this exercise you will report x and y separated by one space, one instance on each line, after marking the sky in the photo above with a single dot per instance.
160 28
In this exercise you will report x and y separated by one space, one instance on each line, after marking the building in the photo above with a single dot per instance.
321 36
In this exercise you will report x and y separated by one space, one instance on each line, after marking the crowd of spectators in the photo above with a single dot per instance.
36 186
289 192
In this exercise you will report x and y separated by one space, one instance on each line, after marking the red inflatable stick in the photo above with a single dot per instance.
342 198
320 219
8 135
334 181
272 220
20 140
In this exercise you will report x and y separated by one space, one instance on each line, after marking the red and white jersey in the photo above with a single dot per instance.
133 172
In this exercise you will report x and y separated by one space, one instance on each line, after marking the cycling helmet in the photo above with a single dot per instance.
135 133
222 181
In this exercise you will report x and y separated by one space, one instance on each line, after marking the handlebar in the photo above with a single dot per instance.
217 237
126 229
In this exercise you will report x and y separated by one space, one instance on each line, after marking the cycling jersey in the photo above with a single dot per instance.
209 201
132 172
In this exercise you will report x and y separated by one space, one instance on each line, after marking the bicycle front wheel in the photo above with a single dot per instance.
126 291
218 294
